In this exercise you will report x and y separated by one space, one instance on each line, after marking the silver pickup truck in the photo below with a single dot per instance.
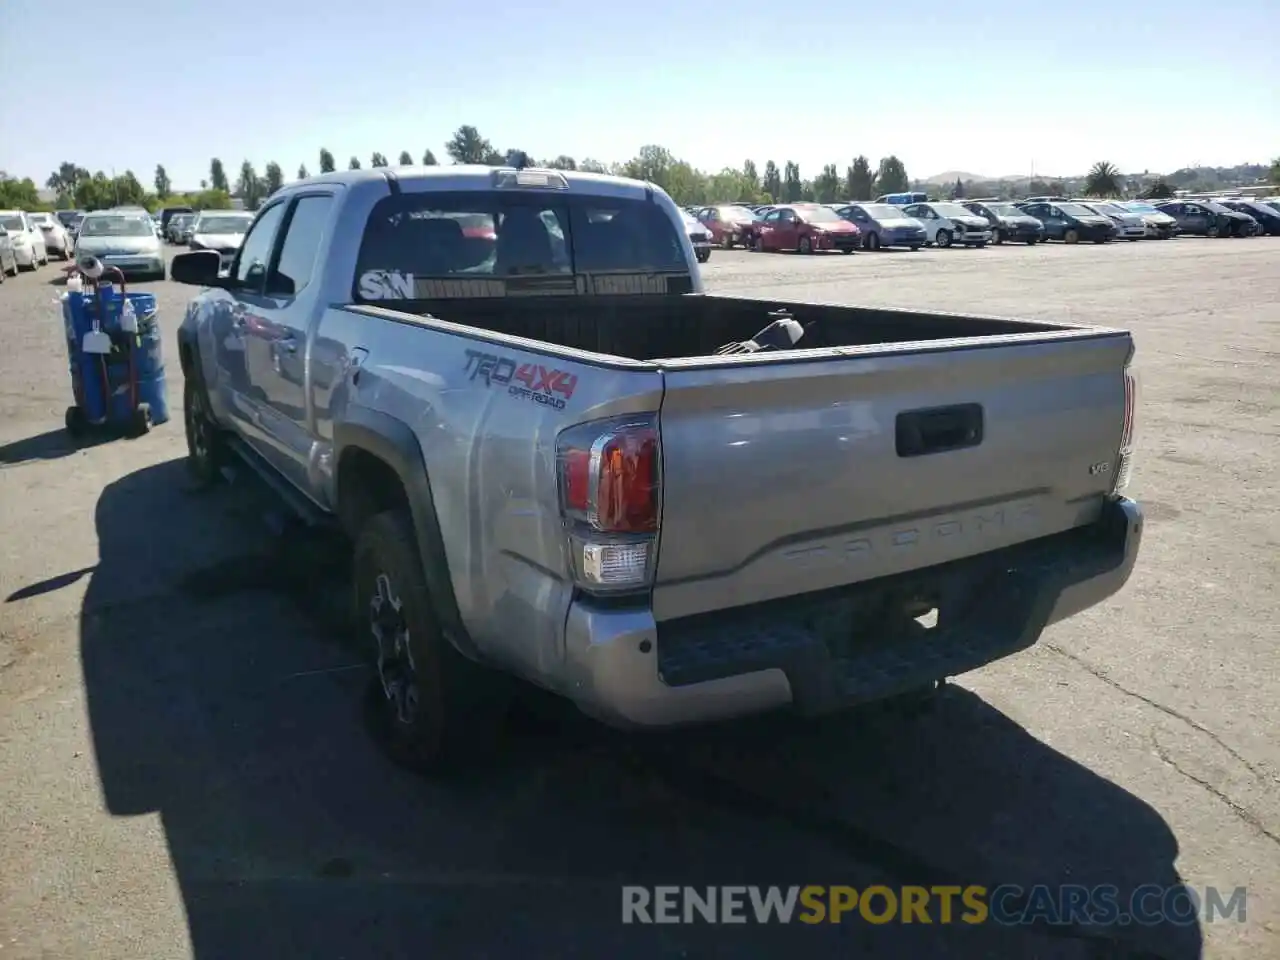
558 459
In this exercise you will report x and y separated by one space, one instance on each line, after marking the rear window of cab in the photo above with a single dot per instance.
411 241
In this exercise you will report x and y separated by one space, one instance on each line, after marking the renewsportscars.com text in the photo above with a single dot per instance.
1007 905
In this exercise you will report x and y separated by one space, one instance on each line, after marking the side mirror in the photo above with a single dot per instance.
200 268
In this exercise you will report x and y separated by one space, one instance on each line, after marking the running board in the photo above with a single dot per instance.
302 509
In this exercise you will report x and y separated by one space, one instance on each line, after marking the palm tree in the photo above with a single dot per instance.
1103 180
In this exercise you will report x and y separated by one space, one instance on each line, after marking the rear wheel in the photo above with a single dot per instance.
997 237
872 242
434 708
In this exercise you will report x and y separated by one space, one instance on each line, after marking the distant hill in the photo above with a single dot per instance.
951 176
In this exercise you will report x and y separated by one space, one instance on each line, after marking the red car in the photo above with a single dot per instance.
806 228
729 225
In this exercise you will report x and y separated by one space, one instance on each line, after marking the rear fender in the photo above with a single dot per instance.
393 442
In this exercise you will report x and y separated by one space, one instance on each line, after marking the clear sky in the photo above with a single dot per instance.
992 88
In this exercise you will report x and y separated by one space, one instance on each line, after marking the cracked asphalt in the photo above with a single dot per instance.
186 771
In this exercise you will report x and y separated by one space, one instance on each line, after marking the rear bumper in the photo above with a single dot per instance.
626 670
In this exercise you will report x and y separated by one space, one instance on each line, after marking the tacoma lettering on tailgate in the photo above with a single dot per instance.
528 381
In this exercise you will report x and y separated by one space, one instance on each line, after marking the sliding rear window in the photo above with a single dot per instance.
428 245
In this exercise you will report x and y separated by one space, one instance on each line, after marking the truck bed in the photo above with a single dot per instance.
648 327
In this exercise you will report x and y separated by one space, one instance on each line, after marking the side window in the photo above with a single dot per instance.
301 245
255 253
786 216
771 216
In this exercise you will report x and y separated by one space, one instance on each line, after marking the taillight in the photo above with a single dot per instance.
608 473
1125 466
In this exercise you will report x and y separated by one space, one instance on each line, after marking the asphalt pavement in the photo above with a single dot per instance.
186 770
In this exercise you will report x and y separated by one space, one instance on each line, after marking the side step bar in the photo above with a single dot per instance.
302 509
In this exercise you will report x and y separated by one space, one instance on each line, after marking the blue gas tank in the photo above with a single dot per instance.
147 357
107 385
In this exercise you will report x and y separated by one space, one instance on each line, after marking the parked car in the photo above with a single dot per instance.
805 228
1205 218
26 238
8 258
220 230
70 220
699 236
1006 220
1159 225
902 199
122 239
947 223
56 239
1070 222
1267 218
168 213
730 224
641 555
176 230
884 225
1129 225
187 229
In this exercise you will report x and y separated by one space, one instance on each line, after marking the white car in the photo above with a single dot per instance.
28 241
947 223
1129 225
56 238
699 236
222 231
1158 223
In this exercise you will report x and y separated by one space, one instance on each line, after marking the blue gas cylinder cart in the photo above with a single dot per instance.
115 354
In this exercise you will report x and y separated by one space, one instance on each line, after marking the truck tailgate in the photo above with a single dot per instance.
784 474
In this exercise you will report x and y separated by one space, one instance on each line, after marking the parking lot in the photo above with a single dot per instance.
185 769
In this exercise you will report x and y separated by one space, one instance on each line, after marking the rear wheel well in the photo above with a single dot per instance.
367 485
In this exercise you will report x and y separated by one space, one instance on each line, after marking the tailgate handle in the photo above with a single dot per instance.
938 429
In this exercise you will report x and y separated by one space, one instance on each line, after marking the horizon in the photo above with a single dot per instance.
1123 96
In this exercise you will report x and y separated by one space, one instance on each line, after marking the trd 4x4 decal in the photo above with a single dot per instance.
528 381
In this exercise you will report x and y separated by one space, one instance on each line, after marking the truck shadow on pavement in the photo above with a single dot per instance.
222 697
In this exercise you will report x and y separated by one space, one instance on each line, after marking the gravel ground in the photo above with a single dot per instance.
185 770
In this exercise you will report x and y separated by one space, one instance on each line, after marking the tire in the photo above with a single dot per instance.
804 245
980 244
1031 241
915 248
997 237
74 421
435 709
943 239
726 243
140 421
206 452
1213 231
1071 236
31 269
757 244
872 241
703 257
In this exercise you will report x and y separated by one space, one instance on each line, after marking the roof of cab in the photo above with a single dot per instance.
475 176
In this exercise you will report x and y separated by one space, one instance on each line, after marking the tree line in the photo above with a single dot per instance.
76 188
